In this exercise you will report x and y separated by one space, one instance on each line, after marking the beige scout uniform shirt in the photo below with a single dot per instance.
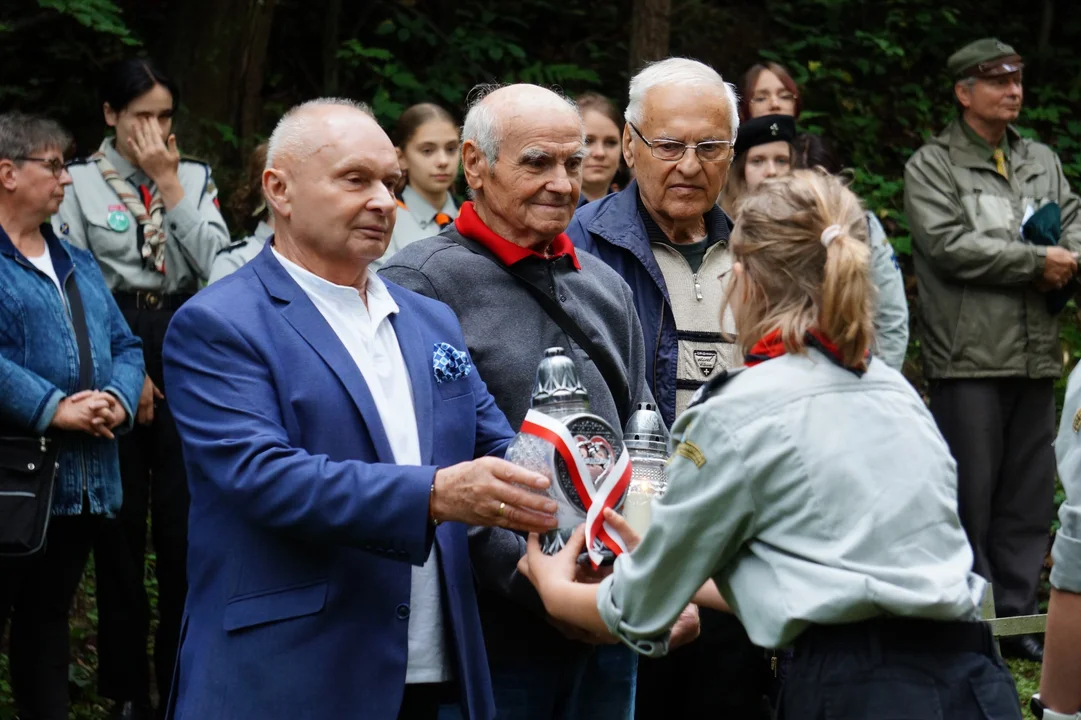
195 229
810 495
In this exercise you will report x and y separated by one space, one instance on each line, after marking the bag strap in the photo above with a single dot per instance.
601 357
82 335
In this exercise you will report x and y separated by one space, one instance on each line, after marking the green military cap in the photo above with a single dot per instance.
984 58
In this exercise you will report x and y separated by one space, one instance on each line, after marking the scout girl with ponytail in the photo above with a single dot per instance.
810 493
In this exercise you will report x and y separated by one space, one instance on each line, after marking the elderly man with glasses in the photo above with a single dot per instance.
667 237
665 234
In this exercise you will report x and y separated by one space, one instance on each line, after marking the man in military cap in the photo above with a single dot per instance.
990 339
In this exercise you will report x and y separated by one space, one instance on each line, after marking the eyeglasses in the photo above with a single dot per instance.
55 165
783 96
709 151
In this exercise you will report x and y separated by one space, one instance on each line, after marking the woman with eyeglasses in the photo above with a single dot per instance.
810 494
151 220
70 372
768 89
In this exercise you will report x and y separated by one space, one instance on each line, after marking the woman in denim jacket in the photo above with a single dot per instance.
43 365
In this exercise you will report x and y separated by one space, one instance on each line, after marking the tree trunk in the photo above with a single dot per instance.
217 55
649 32
1047 21
253 69
330 47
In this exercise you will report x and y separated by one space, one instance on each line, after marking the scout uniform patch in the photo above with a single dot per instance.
692 452
118 219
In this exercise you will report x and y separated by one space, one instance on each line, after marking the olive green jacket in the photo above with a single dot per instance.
980 310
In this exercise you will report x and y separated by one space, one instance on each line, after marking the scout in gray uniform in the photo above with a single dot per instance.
1060 681
152 221
990 340
809 493
248 207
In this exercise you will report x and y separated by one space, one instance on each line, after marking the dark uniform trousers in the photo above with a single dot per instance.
1001 432
36 593
152 471
722 674
898 670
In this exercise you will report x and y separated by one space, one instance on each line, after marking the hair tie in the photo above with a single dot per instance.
830 233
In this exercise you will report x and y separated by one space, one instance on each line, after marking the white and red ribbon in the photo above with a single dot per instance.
614 481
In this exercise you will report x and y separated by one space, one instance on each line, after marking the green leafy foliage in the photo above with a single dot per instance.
101 16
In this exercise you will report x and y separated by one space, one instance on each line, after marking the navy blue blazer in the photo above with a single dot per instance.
302 529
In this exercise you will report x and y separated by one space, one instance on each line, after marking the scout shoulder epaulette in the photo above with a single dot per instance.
197 161
713 387
236 245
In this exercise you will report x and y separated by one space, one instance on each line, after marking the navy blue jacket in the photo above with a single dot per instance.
612 229
302 529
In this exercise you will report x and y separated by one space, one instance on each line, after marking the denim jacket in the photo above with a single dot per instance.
39 366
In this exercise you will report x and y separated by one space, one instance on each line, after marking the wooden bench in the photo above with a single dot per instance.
1005 627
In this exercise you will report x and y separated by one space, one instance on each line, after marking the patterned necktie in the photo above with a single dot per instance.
1000 163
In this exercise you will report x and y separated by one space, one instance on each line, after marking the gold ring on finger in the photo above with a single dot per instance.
502 508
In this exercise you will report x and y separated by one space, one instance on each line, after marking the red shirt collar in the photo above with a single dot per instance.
469 224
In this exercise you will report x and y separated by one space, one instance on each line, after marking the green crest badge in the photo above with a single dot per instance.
118 220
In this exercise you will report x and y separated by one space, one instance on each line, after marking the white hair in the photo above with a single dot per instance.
292 134
682 72
482 125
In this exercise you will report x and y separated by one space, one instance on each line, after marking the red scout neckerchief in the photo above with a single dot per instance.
772 345
441 218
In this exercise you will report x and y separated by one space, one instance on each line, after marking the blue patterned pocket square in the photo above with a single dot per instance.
449 363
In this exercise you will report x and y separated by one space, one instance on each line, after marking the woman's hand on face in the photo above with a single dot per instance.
158 158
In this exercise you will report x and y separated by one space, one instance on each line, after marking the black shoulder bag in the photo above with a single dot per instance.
29 463
609 370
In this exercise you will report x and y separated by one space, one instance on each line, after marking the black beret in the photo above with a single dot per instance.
765 129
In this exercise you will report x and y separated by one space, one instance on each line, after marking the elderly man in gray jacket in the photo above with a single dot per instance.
522 154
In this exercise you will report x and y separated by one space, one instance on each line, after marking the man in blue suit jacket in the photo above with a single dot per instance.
329 422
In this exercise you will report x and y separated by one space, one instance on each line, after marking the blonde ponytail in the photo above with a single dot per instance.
802 241
847 301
